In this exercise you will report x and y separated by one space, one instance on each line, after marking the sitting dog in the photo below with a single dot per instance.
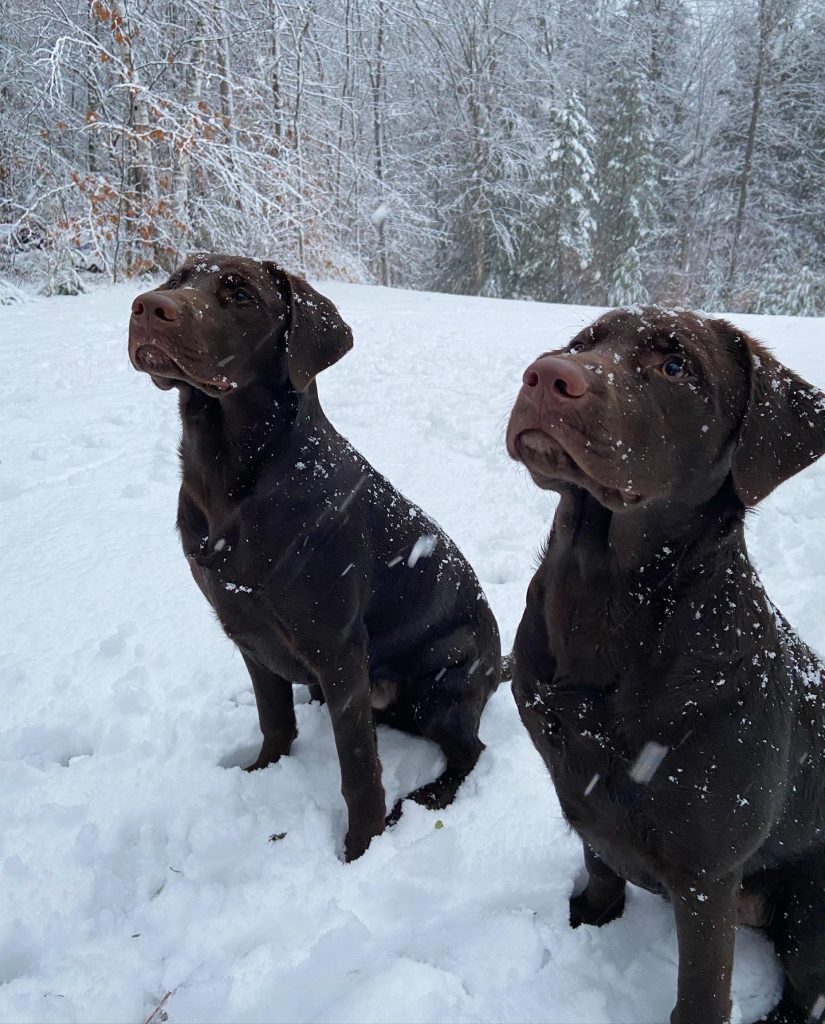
317 568
682 721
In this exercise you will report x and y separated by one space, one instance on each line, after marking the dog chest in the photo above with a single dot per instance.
608 807
659 797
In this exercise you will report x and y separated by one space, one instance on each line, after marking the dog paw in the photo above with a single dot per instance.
262 762
357 842
272 750
583 912
435 796
789 1012
394 815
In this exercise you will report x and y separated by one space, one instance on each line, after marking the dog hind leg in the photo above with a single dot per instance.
798 932
449 714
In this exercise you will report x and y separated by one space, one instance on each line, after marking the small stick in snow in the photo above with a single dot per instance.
159 1011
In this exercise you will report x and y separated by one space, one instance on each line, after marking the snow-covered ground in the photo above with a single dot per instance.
134 852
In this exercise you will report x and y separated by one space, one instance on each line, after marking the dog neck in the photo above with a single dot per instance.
238 434
649 539
644 585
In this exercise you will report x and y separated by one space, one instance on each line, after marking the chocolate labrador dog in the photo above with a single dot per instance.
682 720
317 568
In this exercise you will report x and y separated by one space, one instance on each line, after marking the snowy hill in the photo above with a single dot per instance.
134 854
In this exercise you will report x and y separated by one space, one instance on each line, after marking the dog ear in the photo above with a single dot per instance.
783 428
316 336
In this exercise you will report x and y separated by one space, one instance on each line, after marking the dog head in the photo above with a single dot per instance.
221 323
653 404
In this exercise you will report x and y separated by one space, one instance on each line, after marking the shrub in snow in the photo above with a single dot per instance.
10 293
63 280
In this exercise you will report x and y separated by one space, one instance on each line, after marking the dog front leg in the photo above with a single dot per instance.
705 912
602 900
276 713
347 692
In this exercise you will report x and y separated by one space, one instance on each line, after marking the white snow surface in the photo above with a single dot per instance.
135 853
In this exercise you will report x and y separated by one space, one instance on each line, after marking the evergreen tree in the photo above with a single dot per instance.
806 296
556 239
627 184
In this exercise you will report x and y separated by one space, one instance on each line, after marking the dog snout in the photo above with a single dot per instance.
555 379
155 305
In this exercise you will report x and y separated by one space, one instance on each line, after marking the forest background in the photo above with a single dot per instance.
606 152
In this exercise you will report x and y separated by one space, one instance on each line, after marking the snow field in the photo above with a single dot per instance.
135 858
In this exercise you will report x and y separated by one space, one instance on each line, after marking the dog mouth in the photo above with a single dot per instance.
166 371
548 459
151 358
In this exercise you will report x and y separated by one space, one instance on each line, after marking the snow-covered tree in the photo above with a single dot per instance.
582 152
556 244
627 175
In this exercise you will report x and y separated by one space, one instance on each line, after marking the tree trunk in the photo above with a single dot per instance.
377 84
767 23
182 147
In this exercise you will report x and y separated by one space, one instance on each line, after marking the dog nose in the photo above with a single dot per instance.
556 377
155 304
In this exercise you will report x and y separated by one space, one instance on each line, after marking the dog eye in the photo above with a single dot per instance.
675 367
577 346
241 295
